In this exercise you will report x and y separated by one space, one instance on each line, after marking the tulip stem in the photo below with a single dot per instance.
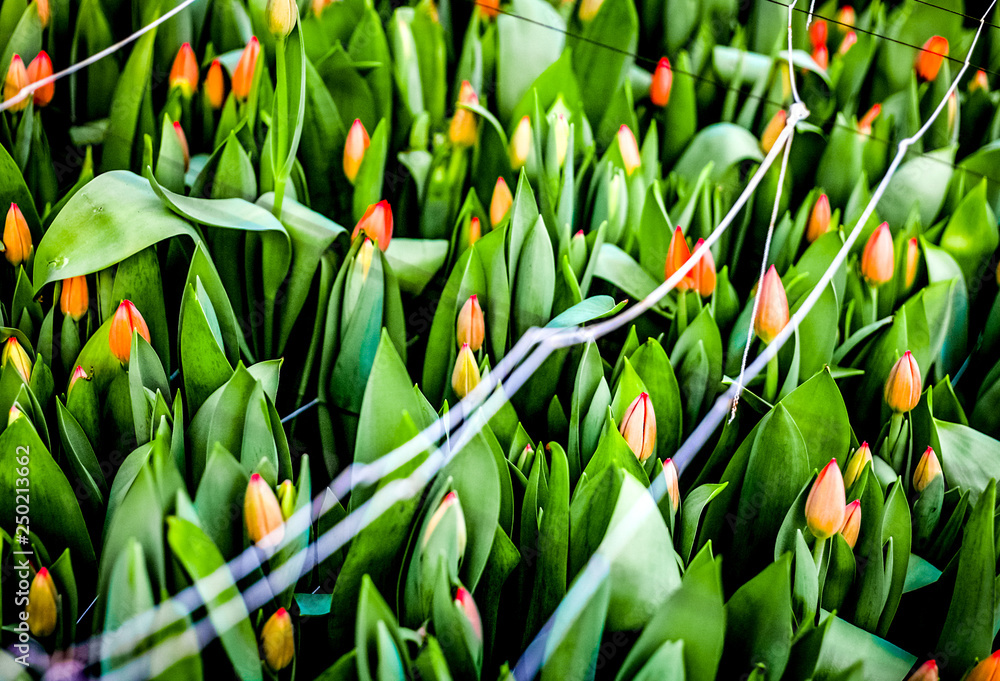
818 553
771 382
682 312
874 291
895 427
280 127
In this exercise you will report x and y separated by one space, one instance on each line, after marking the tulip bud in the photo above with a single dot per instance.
262 514
866 122
13 414
182 140
928 468
629 150
952 110
475 230
578 253
819 219
818 33
773 129
364 258
617 202
928 671
980 82
471 327
847 43
15 354
464 127
852 523
589 9
465 605
126 321
78 375
772 311
663 80
902 388
376 223
847 16
562 139
704 272
281 17
215 85
638 427
912 261
825 505
501 202
243 74
286 499
354 149
930 57
520 144
74 298
987 670
821 55
522 458
278 640
44 12
861 457
450 504
488 9
673 485
465 376
184 72
678 253
39 68
16 237
17 80
42 608
878 259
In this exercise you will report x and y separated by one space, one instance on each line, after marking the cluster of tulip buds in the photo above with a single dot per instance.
184 75
17 246
19 77
701 277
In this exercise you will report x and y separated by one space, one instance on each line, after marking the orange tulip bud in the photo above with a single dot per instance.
74 299
17 79
278 640
44 12
467 606
449 504
930 57
772 311
465 376
818 32
980 82
16 237
376 223
475 230
847 43
42 608
15 354
825 505
501 202
663 80
638 427
704 272
866 122
819 219
78 375
126 321
673 484
902 388
821 55
987 670
678 253
928 671
488 9
629 150
773 129
182 140
878 259
39 68
861 457
184 72
520 144
912 261
243 75
471 327
215 85
852 523
847 16
464 128
589 9
354 149
281 17
262 514
928 468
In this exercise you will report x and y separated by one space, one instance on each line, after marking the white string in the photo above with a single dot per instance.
597 567
29 89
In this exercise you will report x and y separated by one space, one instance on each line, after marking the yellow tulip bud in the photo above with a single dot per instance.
281 17
278 640
471 326
673 484
465 376
520 144
42 609
629 150
501 202
861 457
14 353
773 130
852 523
928 468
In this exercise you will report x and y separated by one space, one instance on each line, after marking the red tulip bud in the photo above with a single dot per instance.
376 223
930 57
663 80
